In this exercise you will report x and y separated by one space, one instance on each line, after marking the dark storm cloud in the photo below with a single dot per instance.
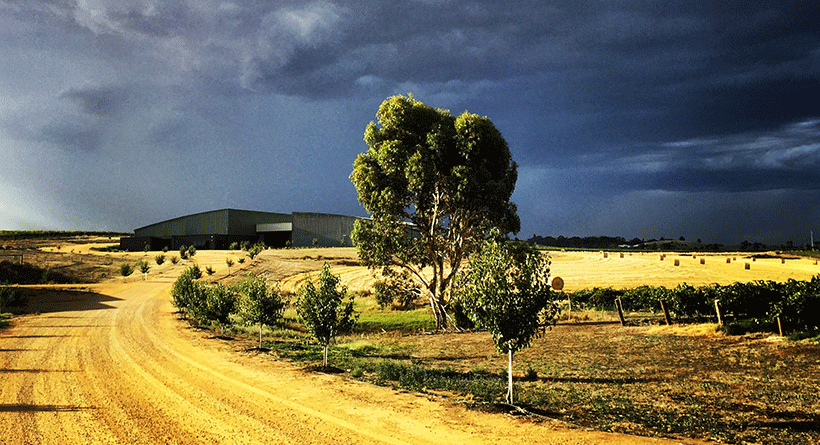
98 101
600 101
71 136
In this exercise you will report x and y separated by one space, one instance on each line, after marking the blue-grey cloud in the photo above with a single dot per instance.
192 105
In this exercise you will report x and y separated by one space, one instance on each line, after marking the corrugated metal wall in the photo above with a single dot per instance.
217 228
206 223
328 230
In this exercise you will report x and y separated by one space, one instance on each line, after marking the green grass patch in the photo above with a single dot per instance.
404 321
5 320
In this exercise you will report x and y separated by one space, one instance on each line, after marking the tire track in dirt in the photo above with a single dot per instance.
128 371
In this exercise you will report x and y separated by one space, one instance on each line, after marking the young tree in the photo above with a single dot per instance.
324 311
220 303
189 295
260 303
435 185
505 290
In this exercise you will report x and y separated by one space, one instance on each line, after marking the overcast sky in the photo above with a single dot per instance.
630 118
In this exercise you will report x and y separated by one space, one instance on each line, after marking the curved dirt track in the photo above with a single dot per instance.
114 365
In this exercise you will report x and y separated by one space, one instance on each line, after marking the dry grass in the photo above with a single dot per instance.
679 381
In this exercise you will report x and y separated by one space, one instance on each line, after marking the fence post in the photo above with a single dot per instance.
665 313
620 311
779 326
717 309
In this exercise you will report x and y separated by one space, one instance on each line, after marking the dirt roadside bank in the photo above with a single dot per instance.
118 367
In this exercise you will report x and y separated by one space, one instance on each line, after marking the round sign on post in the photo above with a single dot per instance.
557 283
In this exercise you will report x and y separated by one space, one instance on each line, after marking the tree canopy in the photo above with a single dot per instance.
435 185
505 290
324 311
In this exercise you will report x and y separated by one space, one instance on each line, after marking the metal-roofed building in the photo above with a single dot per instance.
217 229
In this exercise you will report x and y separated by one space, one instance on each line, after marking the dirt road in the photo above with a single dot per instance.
114 365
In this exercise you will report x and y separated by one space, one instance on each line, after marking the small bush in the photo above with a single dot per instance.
195 272
174 259
229 262
183 252
531 375
209 270
164 249
10 296
253 251
234 246
143 266
241 260
357 373
159 259
191 251
126 269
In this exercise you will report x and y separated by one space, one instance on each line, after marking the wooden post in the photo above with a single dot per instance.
717 309
665 313
620 311
703 261
728 260
779 326
748 266
677 262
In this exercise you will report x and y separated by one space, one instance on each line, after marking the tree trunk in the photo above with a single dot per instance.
324 361
260 335
438 312
509 396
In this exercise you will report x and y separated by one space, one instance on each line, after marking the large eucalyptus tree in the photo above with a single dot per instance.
435 184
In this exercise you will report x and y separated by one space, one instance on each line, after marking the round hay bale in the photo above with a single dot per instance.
557 283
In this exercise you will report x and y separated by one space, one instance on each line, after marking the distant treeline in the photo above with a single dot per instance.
36 234
663 244
587 242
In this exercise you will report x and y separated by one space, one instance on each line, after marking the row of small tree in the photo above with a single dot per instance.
755 304
326 310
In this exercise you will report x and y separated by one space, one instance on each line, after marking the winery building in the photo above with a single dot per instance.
217 229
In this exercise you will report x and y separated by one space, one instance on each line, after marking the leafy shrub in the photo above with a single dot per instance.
254 250
164 249
11 296
174 259
246 245
260 303
220 303
229 262
159 259
187 294
195 272
183 252
531 375
126 269
143 266
209 270
324 311
388 291
191 251
241 260
234 246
